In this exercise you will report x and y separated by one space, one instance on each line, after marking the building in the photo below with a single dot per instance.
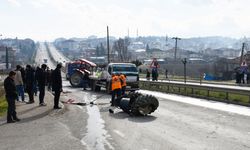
156 53
11 56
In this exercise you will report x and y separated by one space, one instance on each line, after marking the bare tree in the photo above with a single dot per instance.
121 48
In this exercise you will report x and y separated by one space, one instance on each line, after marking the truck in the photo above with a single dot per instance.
103 78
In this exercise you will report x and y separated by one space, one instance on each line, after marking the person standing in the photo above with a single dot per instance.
30 78
10 90
49 71
123 83
41 80
22 70
57 85
155 65
85 81
243 71
35 89
148 74
116 90
19 83
166 74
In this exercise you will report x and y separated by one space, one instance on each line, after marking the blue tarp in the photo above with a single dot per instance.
210 77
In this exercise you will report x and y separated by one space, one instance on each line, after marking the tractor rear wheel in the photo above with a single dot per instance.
144 104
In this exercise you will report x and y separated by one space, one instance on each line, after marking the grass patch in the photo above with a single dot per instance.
3 102
239 98
3 106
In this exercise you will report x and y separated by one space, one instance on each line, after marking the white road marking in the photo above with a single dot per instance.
119 133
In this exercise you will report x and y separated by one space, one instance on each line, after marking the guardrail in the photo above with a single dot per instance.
228 95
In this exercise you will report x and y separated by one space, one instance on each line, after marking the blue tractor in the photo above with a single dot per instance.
75 71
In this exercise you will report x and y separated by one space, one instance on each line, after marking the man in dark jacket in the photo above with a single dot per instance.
11 95
30 78
49 72
57 85
41 80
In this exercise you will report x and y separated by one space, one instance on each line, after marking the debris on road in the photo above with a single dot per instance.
71 101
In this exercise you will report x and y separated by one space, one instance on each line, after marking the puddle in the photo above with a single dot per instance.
96 135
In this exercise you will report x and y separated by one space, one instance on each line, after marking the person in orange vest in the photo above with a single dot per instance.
123 83
116 90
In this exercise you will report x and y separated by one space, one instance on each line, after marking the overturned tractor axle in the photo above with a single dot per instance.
137 104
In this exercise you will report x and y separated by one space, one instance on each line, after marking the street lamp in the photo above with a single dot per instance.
184 61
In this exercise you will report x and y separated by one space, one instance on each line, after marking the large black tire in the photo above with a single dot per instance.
76 79
144 105
133 96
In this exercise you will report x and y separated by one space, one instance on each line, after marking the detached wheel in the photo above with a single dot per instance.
144 105
76 79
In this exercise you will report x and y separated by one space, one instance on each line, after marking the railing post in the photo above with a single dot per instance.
227 96
249 101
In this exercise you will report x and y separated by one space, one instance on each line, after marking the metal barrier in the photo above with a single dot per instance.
228 95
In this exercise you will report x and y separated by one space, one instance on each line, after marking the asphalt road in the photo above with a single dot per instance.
174 125
43 54
58 56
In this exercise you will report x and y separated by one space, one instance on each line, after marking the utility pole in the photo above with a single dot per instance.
7 58
185 72
242 51
175 49
108 43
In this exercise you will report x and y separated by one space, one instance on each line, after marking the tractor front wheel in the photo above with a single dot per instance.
76 79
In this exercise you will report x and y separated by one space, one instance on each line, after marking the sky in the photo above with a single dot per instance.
50 19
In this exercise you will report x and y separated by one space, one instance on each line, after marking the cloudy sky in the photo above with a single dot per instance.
50 19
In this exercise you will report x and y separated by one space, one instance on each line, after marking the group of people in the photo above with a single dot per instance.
118 88
242 73
27 80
